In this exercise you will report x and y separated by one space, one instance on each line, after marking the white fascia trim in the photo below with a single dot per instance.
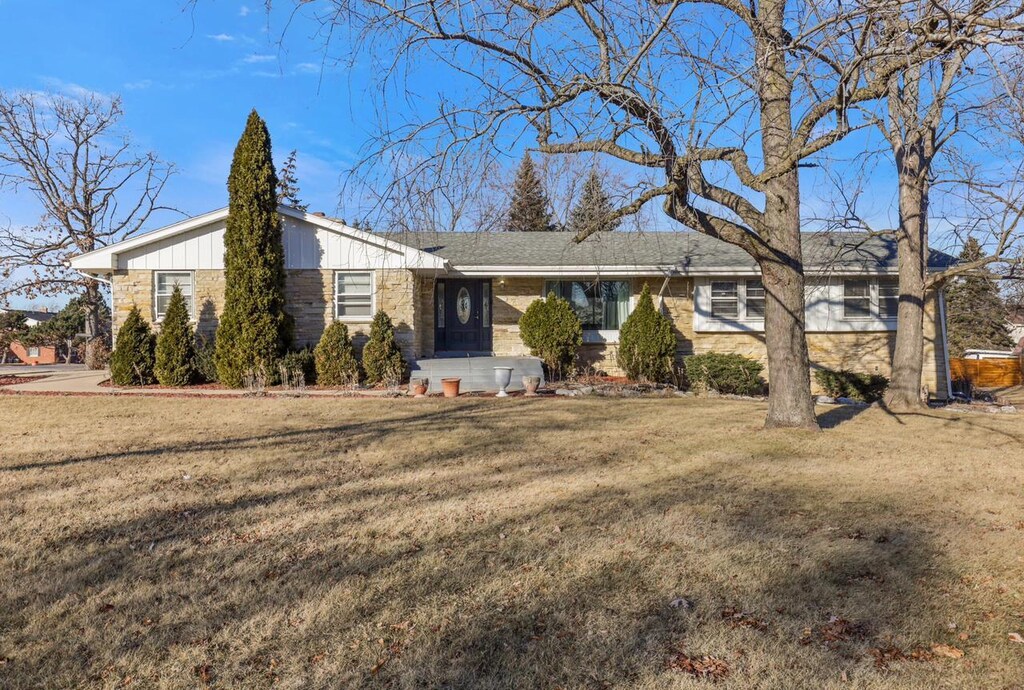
105 258
642 271
416 258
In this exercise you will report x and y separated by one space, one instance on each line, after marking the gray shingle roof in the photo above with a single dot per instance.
687 251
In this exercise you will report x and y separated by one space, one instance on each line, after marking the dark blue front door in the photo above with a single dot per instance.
463 315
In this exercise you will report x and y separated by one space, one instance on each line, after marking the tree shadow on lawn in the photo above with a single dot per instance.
352 579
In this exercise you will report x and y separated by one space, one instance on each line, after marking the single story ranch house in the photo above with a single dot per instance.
462 294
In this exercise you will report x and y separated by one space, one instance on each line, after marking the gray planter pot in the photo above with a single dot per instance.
502 377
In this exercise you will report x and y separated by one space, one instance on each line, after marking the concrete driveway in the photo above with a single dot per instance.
18 369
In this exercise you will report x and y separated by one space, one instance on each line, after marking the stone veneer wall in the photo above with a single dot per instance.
869 352
309 298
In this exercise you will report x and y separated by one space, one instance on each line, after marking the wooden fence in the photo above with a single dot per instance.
987 373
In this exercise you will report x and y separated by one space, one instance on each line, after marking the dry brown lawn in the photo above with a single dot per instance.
326 543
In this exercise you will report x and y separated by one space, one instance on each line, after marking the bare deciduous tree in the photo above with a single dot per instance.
723 100
925 103
92 185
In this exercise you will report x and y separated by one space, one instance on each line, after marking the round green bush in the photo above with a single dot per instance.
335 358
647 345
725 373
382 358
553 332
132 361
175 346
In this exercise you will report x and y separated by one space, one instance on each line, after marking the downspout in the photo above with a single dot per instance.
945 342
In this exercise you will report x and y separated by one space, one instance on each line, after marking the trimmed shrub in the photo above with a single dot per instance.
553 332
647 345
867 388
206 359
133 359
335 358
300 362
175 346
382 358
725 373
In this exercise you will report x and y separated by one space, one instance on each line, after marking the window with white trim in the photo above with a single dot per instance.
33 351
353 295
888 297
164 283
737 300
725 299
871 298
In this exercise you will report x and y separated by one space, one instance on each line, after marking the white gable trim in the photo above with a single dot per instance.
105 260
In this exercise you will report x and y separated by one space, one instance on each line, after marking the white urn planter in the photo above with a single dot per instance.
502 377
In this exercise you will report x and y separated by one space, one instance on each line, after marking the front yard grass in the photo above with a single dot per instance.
584 543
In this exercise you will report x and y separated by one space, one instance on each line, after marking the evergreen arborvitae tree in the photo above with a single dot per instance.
594 210
131 363
529 209
254 330
336 363
646 342
175 346
382 358
288 184
976 315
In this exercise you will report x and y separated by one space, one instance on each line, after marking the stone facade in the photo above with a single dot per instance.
868 352
409 300
309 299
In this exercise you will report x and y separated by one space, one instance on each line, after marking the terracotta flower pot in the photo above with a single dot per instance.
450 387
419 387
531 384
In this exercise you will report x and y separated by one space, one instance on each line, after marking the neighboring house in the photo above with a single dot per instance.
462 294
32 354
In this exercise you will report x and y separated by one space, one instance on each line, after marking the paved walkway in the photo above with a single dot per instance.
80 380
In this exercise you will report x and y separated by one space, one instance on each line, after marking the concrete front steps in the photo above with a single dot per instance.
477 373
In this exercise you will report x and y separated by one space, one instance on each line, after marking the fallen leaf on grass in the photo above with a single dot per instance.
1016 637
703 668
947 651
742 619
204 672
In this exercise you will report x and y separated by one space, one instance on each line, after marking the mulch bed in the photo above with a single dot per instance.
11 380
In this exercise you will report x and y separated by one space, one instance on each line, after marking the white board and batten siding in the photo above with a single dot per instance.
306 246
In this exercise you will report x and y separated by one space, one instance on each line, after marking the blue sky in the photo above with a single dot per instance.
188 80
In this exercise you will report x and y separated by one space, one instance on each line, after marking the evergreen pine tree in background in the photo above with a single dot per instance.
131 363
529 209
254 330
288 184
594 209
976 315
176 345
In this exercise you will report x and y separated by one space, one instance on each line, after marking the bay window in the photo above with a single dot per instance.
602 305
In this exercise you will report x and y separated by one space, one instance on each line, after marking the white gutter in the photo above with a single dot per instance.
92 277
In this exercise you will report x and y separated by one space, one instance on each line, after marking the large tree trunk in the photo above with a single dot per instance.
789 403
789 399
904 391
93 328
